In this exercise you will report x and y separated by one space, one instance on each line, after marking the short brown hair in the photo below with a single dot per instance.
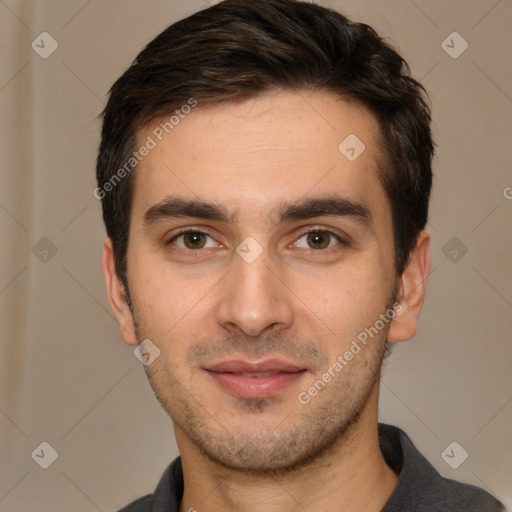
238 49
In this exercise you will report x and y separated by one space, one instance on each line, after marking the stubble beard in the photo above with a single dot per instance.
304 434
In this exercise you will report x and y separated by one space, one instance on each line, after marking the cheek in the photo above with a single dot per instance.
169 302
346 299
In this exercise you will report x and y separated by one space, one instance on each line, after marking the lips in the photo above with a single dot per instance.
247 379
241 366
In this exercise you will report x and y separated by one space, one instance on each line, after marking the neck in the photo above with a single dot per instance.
351 476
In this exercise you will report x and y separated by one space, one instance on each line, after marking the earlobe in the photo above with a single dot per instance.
116 295
413 285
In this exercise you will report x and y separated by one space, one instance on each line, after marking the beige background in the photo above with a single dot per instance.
67 379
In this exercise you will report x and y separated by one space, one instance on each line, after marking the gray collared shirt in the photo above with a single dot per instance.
420 487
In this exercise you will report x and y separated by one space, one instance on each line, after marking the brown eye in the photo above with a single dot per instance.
192 240
318 239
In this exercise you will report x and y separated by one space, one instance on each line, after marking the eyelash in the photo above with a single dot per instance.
200 252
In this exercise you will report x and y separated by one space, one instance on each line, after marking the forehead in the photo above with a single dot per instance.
262 152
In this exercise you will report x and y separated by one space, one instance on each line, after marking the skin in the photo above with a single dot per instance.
297 301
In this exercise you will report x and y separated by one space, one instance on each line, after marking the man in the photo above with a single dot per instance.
265 173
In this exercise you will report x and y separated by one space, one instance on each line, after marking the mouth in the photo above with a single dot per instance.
245 379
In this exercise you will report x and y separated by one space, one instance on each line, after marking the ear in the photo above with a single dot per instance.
413 285
117 296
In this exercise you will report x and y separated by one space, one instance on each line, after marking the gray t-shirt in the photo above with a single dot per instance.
420 487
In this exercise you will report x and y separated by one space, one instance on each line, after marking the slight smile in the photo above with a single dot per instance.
245 379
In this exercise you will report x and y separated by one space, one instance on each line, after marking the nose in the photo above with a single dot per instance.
254 298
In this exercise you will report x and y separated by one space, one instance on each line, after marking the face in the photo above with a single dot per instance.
258 255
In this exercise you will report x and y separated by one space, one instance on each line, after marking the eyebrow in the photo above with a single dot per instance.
331 205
